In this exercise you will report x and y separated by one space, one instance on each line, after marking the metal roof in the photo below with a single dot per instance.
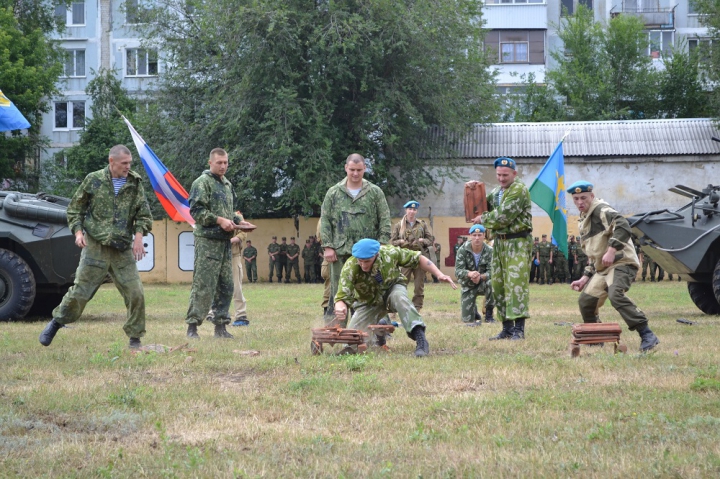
673 137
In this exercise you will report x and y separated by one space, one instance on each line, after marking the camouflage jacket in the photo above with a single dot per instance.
250 252
601 227
512 214
346 220
212 197
465 263
111 220
308 254
370 288
283 252
274 251
572 250
545 249
418 236
292 250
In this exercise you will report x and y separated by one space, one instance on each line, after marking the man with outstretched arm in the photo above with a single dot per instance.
372 283
612 263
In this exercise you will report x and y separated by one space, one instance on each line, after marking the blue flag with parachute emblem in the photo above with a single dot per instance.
10 116
548 192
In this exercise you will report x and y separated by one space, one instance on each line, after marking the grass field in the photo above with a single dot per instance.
86 407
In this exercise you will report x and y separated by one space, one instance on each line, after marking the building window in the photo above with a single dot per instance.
75 15
504 2
692 9
661 42
517 46
75 63
700 47
141 62
136 11
69 115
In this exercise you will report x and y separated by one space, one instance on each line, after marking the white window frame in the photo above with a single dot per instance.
73 54
69 110
137 52
662 47
514 60
70 13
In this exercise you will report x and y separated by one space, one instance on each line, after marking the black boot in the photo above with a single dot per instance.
49 332
135 343
221 332
489 314
418 334
192 331
648 340
507 331
519 329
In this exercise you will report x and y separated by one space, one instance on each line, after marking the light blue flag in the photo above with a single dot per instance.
548 192
10 116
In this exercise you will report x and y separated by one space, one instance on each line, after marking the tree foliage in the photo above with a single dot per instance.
710 54
291 87
30 65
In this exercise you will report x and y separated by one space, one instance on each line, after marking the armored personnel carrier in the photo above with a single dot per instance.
38 256
687 242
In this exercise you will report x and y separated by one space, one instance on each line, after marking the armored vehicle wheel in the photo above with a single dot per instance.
17 286
704 298
716 282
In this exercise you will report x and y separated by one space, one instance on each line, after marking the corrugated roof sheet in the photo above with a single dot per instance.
593 138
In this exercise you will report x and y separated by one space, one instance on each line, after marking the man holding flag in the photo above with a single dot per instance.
510 220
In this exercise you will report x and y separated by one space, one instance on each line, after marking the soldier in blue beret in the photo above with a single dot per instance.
612 263
412 204
371 282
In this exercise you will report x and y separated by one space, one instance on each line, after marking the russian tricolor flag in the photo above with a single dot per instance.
171 194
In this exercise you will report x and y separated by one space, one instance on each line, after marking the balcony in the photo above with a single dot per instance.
654 18
508 15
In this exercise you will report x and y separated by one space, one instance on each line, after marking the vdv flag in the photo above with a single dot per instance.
171 194
548 192
10 116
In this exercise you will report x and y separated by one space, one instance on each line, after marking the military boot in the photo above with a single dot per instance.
221 332
49 332
519 330
489 314
648 340
507 331
423 348
135 343
192 331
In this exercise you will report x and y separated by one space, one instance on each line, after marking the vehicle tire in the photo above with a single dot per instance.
704 298
716 282
17 286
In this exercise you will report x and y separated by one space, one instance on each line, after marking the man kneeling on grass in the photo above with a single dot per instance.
371 282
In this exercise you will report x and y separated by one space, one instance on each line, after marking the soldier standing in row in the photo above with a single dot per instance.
472 269
353 209
308 255
273 254
545 257
413 234
282 261
460 241
250 255
293 260
437 259
534 263
572 256
560 273
109 215
582 259
318 257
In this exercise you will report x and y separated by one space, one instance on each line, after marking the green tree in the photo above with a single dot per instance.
30 65
291 87
534 102
710 53
680 86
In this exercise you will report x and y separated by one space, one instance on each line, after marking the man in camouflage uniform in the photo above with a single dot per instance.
111 207
317 249
250 255
274 255
372 283
582 260
510 221
437 259
460 241
324 273
293 260
308 255
560 273
534 262
545 256
282 261
212 201
352 210
472 269
572 256
612 266
413 234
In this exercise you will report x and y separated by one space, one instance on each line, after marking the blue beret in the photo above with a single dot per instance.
581 186
507 162
365 248
412 204
475 228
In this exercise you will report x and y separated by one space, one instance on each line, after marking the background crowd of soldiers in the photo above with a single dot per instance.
285 260
549 265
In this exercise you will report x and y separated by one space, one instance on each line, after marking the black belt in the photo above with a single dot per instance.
522 234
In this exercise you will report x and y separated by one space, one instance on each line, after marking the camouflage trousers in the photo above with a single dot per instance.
212 285
273 267
510 278
335 269
280 266
325 275
418 275
545 271
309 272
468 296
293 266
238 297
611 284
251 271
96 261
560 271
396 300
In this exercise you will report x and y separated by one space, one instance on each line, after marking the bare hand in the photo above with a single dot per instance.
609 257
80 239
329 255
477 220
138 248
447 279
474 276
340 311
580 283
226 224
